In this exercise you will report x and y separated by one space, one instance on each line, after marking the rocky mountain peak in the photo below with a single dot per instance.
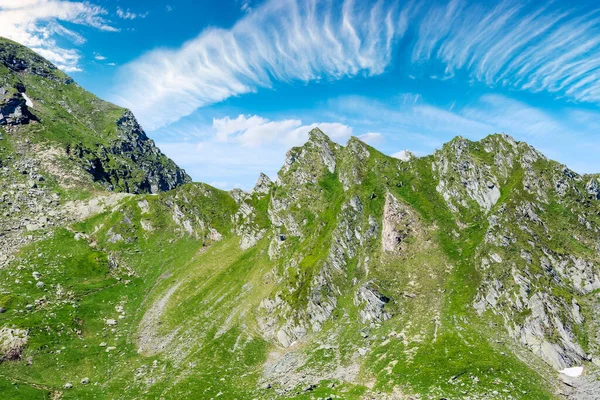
78 129
263 184
316 135
357 147
129 127
307 162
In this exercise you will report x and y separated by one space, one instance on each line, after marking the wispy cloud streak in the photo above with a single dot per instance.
520 45
37 23
283 40
549 48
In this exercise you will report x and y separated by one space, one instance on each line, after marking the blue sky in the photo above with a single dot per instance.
226 88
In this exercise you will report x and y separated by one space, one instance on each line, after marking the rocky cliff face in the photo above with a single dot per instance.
112 165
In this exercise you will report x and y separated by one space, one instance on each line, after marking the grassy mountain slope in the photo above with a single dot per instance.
62 123
470 273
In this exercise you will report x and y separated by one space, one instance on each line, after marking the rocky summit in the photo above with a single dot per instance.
471 273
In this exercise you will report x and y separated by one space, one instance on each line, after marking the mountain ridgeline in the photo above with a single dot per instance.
470 273
75 126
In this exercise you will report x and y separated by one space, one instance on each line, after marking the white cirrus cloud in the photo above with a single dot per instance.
281 40
37 24
245 5
128 14
523 45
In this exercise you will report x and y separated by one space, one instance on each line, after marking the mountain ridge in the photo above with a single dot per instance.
468 273
109 144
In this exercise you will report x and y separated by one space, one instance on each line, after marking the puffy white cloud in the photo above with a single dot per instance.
35 23
234 150
255 131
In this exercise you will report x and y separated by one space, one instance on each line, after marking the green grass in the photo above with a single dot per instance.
14 390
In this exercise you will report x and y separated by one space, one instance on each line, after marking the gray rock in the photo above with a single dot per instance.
263 184
12 342
398 223
374 304
475 182
318 139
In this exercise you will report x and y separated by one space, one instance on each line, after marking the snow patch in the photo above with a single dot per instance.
573 372
28 101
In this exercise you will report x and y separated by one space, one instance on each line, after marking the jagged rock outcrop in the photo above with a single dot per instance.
461 178
14 111
304 163
323 289
352 162
593 188
544 314
373 303
303 168
245 220
111 165
263 184
539 301
345 243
